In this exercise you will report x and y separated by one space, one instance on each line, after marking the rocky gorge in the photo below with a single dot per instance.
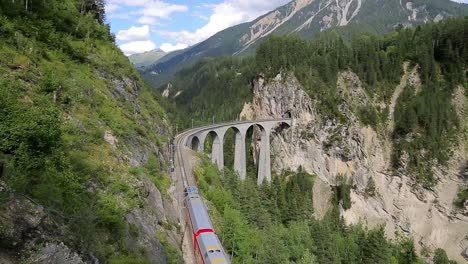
328 147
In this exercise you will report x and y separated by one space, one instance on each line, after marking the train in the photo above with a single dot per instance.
207 246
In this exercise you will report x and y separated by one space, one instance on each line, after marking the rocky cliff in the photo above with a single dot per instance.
327 147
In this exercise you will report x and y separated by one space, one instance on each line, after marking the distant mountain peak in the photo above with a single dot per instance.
147 58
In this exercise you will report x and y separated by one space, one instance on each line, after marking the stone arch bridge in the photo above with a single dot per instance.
195 139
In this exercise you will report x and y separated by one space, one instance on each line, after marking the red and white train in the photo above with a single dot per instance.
207 247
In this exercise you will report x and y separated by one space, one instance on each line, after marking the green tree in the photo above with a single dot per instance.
440 257
307 258
375 247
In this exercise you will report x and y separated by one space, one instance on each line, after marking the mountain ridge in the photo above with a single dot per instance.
306 18
147 58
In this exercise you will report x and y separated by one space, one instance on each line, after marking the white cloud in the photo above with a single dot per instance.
125 16
111 8
168 47
149 8
161 9
461 1
134 33
137 47
137 39
149 20
225 14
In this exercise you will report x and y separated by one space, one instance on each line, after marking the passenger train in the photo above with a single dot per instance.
207 247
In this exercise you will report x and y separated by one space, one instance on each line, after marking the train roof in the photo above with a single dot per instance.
198 213
211 248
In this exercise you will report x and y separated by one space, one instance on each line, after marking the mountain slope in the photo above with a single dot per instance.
82 143
307 18
146 58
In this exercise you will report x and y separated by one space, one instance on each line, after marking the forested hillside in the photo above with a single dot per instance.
82 142
275 224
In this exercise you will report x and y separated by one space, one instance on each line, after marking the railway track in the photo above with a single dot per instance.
207 247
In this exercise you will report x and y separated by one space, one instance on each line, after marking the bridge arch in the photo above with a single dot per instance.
217 154
195 143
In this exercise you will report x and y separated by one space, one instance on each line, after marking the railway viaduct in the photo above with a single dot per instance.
196 140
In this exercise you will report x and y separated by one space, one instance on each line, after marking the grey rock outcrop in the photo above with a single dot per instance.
23 223
326 147
22 217
54 253
157 215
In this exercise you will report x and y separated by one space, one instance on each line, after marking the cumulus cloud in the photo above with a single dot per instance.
225 14
168 47
146 12
149 8
134 33
161 9
137 47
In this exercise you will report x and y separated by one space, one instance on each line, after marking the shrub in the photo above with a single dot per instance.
462 197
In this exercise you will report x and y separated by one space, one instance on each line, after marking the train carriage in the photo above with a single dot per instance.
206 243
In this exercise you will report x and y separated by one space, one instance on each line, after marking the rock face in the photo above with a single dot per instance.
326 148
146 222
55 253
23 222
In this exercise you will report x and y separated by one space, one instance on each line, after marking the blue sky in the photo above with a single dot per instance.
142 25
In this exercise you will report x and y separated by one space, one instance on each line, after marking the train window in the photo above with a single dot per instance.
218 250
211 251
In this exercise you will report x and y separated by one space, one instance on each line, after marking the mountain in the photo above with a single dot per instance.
306 18
146 58
83 154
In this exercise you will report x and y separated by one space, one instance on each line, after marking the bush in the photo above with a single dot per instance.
370 190
110 215
462 197
440 257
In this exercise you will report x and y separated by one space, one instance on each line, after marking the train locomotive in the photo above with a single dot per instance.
207 247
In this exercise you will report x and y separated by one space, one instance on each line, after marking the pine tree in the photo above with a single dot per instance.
375 247
308 258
